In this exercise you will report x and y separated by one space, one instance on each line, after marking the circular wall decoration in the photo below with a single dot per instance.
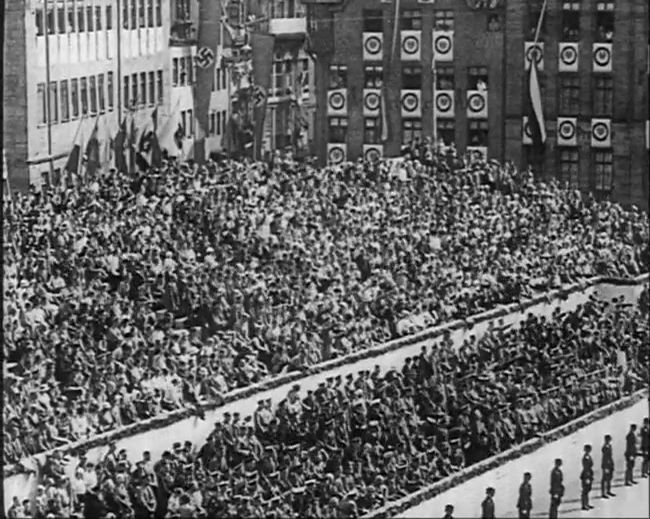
336 154
371 155
569 55
534 53
410 102
372 45
443 44
527 131
567 130
600 131
476 103
371 101
410 45
602 56
443 102
337 101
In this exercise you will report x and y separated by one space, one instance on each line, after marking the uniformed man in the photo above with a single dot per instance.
487 506
525 501
607 464
645 448
587 477
557 489
449 510
630 455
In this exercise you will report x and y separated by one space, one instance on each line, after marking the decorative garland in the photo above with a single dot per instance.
396 344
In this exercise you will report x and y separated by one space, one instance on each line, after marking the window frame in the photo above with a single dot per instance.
569 94
373 76
411 127
92 94
475 74
603 95
445 71
410 19
337 129
373 20
41 95
372 130
443 20
110 90
411 77
479 128
53 107
444 127
603 167
101 95
568 165
64 100
339 72
75 98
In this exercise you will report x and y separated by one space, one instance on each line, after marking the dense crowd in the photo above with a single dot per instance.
129 296
358 442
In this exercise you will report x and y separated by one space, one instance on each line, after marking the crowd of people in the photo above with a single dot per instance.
358 442
129 296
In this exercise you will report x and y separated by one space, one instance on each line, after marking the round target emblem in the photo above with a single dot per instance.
337 101
371 155
371 101
569 55
567 130
336 155
476 103
600 132
534 53
443 102
372 45
410 102
527 131
602 55
410 45
443 44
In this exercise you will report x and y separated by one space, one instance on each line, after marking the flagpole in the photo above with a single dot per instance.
435 110
539 23
395 29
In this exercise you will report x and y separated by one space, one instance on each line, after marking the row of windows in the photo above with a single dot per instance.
217 122
220 79
144 88
571 31
183 71
141 13
410 20
569 167
62 101
570 97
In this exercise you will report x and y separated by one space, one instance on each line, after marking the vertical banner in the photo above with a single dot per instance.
262 45
206 58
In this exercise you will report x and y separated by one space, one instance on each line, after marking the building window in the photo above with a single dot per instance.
100 93
143 88
412 77
71 19
134 90
98 18
604 21
53 102
182 75
81 19
603 96
373 20
372 77
444 77
534 13
337 129
65 105
443 20
60 19
40 22
190 121
92 89
569 166
84 95
160 85
477 134
212 123
125 14
570 21
109 17
446 131
134 14
50 22
411 20
42 102
569 95
175 72
74 97
477 78
371 130
141 19
338 76
158 13
109 88
127 92
152 88
603 167
150 18
411 130
89 19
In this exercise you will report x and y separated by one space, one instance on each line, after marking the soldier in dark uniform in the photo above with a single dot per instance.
607 464
557 489
525 501
587 477
449 510
645 448
487 506
630 455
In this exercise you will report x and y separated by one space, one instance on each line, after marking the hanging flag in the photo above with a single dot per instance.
156 152
536 115
92 151
262 64
118 146
72 164
384 116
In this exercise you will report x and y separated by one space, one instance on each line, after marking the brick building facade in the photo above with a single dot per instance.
462 66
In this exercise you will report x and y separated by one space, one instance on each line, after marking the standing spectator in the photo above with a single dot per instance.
607 466
487 506
645 448
557 489
630 455
586 477
525 501
449 512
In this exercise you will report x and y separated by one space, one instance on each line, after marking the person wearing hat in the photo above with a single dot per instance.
487 506
586 477
557 488
630 455
525 501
